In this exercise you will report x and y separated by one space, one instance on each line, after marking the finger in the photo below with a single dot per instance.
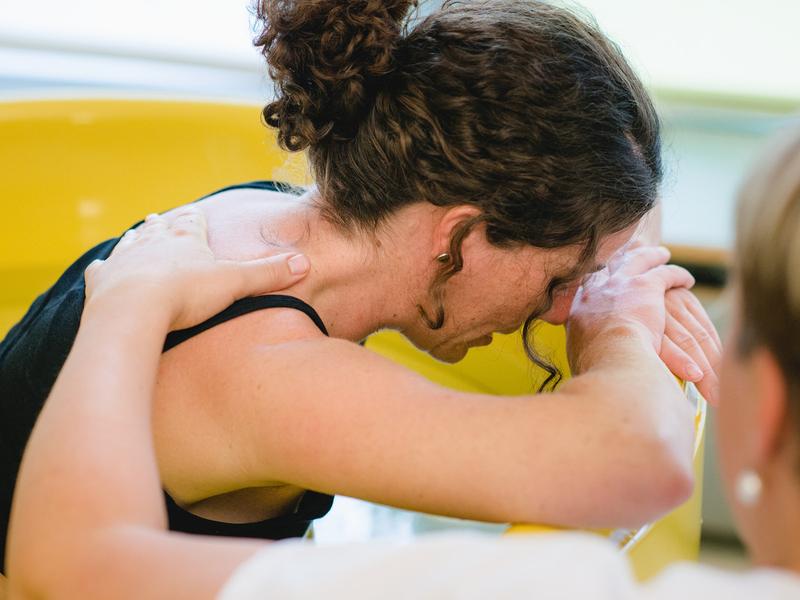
704 335
709 390
643 259
670 276
126 240
679 362
674 357
694 306
93 266
190 221
89 274
153 222
263 275
693 339
684 339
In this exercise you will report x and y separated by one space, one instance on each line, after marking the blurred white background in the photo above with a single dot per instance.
724 74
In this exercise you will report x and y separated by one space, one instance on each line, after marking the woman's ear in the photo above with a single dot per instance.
451 225
772 397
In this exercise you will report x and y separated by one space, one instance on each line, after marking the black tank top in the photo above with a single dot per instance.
33 352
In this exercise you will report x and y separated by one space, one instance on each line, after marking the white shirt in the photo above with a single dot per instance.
473 566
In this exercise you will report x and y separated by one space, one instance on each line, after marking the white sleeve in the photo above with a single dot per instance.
465 566
689 581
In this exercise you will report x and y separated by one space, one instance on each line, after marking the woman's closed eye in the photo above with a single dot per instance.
571 285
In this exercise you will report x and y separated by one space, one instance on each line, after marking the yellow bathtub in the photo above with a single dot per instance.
75 172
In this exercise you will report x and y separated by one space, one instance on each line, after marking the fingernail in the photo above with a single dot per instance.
693 372
299 264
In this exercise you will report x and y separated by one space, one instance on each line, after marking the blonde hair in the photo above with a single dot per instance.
768 259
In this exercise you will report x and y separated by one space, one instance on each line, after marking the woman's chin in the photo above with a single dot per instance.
456 351
481 341
449 353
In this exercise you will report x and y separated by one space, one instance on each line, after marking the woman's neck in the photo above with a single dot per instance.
359 282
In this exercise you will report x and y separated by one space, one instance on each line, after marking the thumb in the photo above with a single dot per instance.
671 276
264 275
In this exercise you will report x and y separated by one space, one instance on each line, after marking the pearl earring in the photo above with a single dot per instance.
748 487
444 257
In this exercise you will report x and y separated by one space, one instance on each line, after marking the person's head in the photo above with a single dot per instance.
759 414
519 119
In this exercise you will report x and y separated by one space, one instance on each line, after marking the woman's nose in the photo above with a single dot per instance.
562 304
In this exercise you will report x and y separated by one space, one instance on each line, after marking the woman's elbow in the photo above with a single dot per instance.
666 481
667 459
675 483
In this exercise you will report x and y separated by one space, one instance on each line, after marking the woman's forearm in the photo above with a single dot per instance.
643 427
105 391
90 462
88 495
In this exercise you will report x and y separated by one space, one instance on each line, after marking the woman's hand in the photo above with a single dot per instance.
628 296
688 344
170 267
691 347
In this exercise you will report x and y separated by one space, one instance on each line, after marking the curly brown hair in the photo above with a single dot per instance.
518 107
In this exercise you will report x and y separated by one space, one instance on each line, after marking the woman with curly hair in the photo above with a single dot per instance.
470 172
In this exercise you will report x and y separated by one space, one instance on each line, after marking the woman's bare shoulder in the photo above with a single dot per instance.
245 193
237 217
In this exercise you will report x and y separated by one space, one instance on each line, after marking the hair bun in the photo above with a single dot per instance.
325 58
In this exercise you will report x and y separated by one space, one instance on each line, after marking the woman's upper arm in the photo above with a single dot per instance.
334 417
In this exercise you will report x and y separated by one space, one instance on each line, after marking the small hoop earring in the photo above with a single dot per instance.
748 488
444 257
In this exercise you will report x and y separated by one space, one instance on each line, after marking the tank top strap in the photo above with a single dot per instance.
243 307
